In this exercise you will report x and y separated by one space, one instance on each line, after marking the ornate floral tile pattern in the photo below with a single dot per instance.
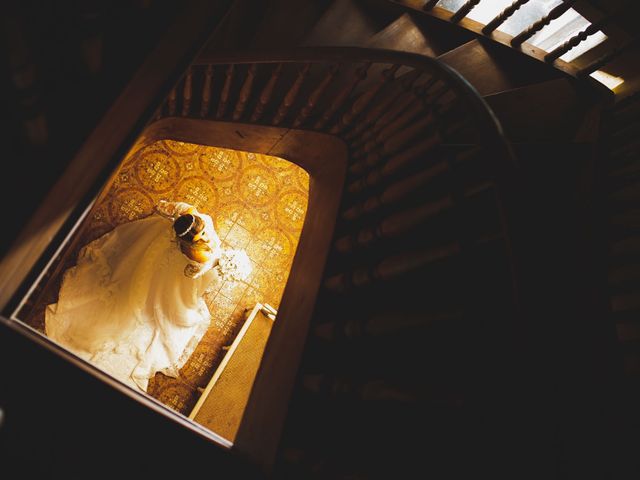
258 203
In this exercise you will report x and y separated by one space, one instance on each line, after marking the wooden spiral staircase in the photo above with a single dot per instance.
464 324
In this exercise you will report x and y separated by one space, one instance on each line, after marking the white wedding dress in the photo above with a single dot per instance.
128 307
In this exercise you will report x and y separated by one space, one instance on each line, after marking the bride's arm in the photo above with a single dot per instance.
195 269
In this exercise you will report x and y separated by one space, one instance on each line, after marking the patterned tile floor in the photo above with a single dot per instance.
258 203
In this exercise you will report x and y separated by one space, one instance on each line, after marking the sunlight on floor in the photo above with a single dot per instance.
258 204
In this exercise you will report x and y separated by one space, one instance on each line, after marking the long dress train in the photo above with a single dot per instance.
128 307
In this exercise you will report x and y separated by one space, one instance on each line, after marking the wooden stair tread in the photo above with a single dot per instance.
442 35
546 111
286 22
243 16
344 23
402 35
494 68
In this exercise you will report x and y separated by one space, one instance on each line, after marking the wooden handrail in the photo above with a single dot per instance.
485 120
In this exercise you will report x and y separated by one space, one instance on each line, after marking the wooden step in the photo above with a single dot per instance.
344 23
493 68
626 112
624 275
286 22
625 301
442 35
625 316
628 332
547 111
628 246
243 16
627 193
402 35
629 170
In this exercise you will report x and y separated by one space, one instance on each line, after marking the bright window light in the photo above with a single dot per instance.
608 80
591 41
553 35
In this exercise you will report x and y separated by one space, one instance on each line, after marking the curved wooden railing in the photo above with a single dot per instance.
398 113
422 248
422 239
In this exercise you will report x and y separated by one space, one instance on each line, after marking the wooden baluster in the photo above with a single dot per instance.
396 192
406 262
405 82
390 268
404 102
606 58
385 323
186 92
464 10
337 388
315 95
540 24
267 93
577 39
394 225
414 110
171 102
245 92
405 221
397 136
158 113
226 91
396 162
343 95
364 100
291 95
503 16
429 5
206 91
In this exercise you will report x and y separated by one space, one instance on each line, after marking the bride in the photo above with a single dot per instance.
133 305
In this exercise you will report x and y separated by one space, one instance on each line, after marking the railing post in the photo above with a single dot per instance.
291 95
464 10
315 95
267 92
226 91
206 91
245 92
577 39
186 92
540 24
503 16
430 4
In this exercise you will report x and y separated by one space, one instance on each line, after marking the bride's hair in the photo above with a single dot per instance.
188 226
